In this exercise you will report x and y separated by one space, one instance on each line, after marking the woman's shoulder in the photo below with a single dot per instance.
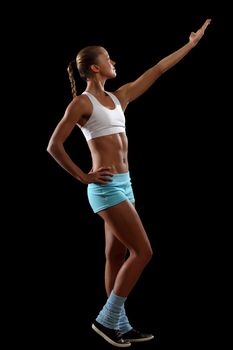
120 98
80 104
114 96
79 101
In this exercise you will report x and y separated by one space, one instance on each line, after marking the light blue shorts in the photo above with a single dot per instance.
102 196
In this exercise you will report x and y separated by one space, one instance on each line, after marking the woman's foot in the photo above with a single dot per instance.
134 336
112 336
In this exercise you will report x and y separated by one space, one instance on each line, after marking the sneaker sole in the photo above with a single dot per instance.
140 340
108 339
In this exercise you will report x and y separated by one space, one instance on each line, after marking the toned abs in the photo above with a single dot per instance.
110 151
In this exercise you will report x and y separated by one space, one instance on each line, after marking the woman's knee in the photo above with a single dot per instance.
148 253
115 255
144 254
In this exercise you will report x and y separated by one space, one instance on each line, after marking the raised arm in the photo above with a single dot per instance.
133 90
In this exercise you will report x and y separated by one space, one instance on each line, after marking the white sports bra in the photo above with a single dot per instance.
103 120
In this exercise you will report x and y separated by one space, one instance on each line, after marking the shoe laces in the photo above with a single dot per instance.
118 333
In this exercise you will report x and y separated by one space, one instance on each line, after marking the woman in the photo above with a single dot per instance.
100 116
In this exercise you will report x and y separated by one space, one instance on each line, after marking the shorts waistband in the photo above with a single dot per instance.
117 178
122 175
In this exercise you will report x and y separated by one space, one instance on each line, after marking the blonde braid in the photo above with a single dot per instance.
71 78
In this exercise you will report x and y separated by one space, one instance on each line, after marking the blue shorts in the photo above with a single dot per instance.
102 196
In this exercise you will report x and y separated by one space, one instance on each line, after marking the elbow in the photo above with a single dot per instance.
49 147
52 147
161 68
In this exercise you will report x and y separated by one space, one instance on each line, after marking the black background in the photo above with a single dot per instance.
177 137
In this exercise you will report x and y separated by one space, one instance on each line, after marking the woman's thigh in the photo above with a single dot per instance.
126 226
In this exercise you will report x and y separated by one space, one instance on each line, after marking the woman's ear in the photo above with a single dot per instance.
94 68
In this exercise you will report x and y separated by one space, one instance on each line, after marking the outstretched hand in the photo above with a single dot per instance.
196 36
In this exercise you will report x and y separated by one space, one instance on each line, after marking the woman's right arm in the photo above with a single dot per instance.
62 131
74 113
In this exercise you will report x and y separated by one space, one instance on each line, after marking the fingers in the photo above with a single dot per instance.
103 181
104 171
196 36
104 168
205 25
103 175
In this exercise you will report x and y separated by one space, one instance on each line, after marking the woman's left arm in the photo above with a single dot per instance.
133 90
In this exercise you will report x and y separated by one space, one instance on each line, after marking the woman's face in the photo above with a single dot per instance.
106 65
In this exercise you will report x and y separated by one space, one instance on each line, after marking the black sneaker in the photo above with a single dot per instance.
134 336
112 336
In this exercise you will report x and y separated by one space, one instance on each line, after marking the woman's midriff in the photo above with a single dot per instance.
110 151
